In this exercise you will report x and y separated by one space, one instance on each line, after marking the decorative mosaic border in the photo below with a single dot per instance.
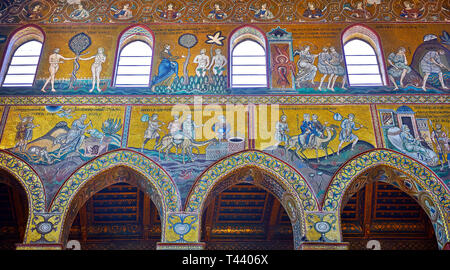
28 178
417 172
285 173
58 12
354 167
156 175
228 99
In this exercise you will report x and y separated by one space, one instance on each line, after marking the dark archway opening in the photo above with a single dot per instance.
380 211
117 209
118 217
246 217
13 212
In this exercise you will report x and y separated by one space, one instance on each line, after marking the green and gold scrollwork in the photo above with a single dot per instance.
424 179
254 158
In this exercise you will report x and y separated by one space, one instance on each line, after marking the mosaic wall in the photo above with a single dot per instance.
309 132
408 60
185 140
212 11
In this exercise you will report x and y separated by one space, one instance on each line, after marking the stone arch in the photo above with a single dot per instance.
419 182
29 181
20 205
155 182
284 182
285 174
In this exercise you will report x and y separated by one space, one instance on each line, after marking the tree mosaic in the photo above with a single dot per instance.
174 114
298 62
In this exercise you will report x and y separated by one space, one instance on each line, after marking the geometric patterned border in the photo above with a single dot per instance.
354 167
28 178
418 173
284 174
163 183
196 11
225 99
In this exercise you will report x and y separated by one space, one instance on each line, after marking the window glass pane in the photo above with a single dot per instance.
27 60
23 64
248 67
358 47
363 69
249 70
361 60
145 70
134 65
136 48
248 47
249 60
257 80
362 64
135 61
32 48
18 79
22 69
141 80
29 48
364 79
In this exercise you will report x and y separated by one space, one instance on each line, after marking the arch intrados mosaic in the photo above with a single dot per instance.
79 199
27 178
244 171
11 181
166 197
295 218
195 190
371 169
248 31
404 190
442 205
358 158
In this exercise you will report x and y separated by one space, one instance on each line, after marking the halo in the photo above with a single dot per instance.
305 3
222 4
302 44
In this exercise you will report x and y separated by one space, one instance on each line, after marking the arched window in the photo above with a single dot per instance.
363 57
134 60
21 58
248 62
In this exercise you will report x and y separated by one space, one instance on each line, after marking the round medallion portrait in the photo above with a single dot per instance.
170 10
360 10
216 10
80 11
36 11
408 10
264 10
123 10
312 10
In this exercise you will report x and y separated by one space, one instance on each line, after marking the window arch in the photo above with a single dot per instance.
134 58
21 58
248 61
363 57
